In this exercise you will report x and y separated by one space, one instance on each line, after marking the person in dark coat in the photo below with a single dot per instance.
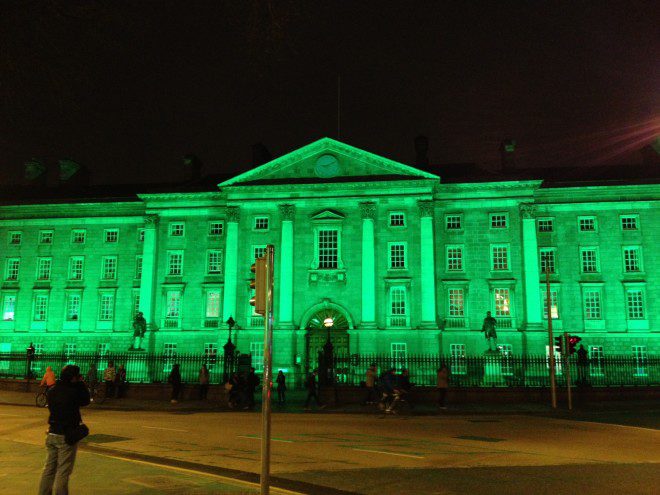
175 380
312 390
281 387
252 382
64 402
583 366
204 378
120 381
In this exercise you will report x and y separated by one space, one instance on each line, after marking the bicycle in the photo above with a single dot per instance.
41 399
97 393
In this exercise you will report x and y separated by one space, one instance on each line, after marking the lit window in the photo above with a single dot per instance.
216 228
257 352
169 356
499 257
454 258
587 224
328 246
173 304
140 235
640 359
592 304
213 304
597 360
589 260
40 307
456 300
629 222
554 297
258 251
635 304
214 262
70 353
175 263
502 303
106 306
136 302
210 355
399 354
15 238
499 220
397 219
76 267
453 222
72 306
632 259
8 307
545 224
457 359
260 223
45 237
138 267
111 235
109 268
12 269
177 229
398 310
43 268
547 260
397 255
78 236
506 353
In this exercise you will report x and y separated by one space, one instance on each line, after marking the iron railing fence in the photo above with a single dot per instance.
503 370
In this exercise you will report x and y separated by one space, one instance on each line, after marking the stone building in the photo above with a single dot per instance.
402 261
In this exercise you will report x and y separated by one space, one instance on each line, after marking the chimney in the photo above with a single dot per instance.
260 154
508 154
192 168
72 173
35 173
421 151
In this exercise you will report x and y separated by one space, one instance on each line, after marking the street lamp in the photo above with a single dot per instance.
229 348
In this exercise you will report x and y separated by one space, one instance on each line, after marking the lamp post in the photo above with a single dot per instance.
229 348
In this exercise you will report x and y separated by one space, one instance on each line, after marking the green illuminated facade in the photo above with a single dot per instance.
402 262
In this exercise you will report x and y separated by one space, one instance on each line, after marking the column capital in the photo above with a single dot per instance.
527 210
425 208
151 221
287 212
233 214
368 210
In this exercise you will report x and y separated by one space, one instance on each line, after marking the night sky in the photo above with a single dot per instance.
128 88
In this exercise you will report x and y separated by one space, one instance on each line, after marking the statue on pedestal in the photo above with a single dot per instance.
488 328
139 329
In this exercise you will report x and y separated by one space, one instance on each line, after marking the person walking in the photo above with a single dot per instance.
204 378
370 384
120 382
175 380
281 387
109 378
64 402
442 384
48 380
312 390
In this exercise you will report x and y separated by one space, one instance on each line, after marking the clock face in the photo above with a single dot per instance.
327 166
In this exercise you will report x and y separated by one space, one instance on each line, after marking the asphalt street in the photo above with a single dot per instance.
198 452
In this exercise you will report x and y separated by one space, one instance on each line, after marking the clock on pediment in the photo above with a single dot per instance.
327 166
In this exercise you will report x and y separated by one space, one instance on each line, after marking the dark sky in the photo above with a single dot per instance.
128 88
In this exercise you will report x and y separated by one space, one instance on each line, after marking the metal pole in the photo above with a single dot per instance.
553 383
568 372
267 375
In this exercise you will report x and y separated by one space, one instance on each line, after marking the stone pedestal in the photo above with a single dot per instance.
493 369
136 368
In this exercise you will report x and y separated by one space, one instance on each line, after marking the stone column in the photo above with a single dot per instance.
368 211
148 279
531 274
285 317
427 264
231 264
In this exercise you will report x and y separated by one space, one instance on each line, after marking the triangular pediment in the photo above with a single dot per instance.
326 215
327 160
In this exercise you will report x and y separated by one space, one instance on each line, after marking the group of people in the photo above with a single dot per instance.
241 388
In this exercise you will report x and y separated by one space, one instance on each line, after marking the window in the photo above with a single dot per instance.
258 251
5 349
587 224
397 255
76 267
169 356
72 306
15 238
111 235
545 224
210 355
45 237
78 236
216 228
635 304
640 358
102 350
213 304
506 353
499 257
177 229
597 358
457 359
175 263
499 220
140 237
592 304
632 259
454 258
12 269
109 268
502 303
43 268
8 307
136 302
173 304
138 267
547 256
399 355
453 222
260 223
397 219
456 299
554 311
40 307
257 352
589 260
398 311
558 360
328 242
106 306
629 222
70 353
214 262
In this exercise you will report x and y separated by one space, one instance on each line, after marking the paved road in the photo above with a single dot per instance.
368 454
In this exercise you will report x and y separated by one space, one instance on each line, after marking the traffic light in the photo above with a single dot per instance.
258 284
572 342
559 344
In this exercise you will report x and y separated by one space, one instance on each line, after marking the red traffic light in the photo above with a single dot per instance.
573 340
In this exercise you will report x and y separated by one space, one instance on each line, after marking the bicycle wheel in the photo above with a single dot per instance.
41 400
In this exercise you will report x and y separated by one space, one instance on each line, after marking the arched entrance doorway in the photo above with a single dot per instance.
325 321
